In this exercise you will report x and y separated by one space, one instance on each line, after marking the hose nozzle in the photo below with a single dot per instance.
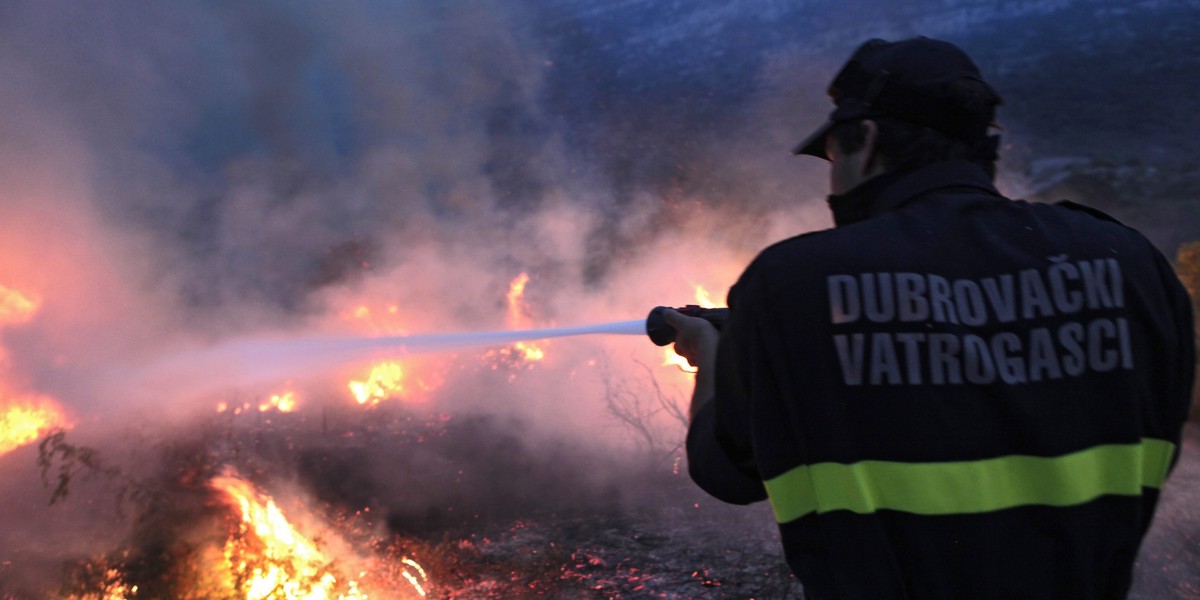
661 332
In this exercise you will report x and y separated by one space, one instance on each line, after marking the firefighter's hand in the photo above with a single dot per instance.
696 340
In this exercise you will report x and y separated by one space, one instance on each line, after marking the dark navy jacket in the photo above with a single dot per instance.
952 394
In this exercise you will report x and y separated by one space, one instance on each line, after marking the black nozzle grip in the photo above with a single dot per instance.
661 332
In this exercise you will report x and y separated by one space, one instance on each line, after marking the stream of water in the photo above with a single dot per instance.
250 361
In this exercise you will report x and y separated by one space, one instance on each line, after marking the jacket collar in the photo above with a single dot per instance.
892 190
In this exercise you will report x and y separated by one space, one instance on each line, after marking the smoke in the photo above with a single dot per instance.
179 176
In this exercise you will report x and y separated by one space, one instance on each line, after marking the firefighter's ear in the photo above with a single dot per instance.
848 170
871 166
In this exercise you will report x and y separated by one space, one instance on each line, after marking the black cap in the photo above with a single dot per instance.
908 80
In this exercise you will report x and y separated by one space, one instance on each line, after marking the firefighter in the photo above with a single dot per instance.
950 394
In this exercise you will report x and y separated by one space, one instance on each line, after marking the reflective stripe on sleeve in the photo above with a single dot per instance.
975 486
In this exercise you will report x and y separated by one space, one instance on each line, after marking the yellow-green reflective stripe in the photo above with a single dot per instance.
970 486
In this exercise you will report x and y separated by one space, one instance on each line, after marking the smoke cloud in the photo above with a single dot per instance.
178 179
180 176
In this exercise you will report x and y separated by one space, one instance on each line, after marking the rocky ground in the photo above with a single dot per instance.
701 550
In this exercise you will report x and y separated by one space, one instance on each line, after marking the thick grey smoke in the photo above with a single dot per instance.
274 150
202 171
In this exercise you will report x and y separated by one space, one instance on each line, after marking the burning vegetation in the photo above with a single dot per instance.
387 486
267 556
25 419
382 503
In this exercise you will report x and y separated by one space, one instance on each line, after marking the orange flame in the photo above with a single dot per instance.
518 318
530 352
703 298
272 559
285 402
24 420
393 380
385 381
670 358
16 307
384 321
516 303
390 379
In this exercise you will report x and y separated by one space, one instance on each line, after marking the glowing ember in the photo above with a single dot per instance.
24 420
419 580
109 585
269 558
237 410
119 590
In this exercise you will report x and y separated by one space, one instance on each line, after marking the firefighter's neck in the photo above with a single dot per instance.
859 203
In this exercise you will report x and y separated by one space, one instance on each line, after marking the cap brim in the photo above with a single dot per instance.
814 144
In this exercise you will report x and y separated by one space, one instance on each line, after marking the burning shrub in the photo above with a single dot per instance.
202 529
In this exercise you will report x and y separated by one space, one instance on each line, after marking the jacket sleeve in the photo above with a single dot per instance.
719 441
726 477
